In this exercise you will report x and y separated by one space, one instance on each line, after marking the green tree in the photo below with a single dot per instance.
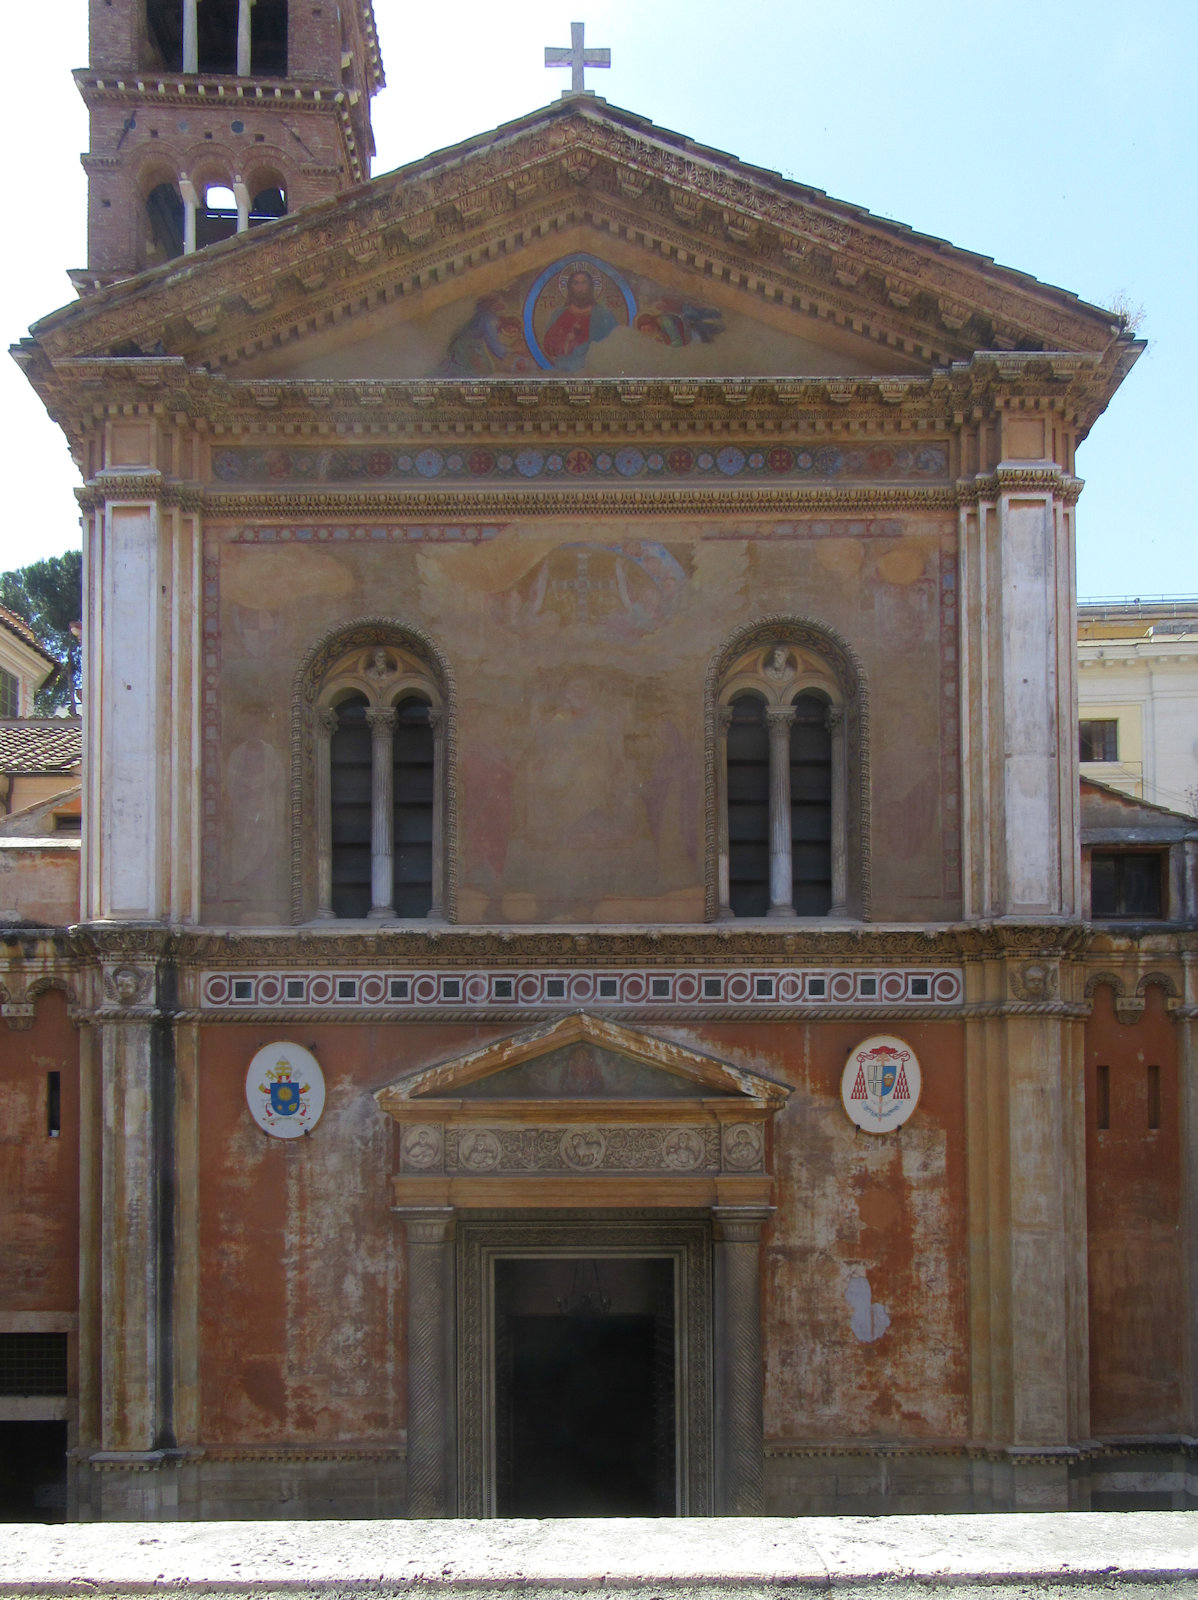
48 595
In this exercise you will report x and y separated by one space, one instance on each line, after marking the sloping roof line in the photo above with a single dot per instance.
586 106
31 745
18 626
1132 801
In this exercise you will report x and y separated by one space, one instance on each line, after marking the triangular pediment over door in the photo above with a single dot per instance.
582 1111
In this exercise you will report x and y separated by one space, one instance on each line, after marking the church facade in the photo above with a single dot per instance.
583 997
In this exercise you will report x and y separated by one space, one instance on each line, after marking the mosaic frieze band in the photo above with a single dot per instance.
916 462
430 989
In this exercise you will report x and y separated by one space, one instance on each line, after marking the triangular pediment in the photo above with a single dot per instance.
581 1057
702 266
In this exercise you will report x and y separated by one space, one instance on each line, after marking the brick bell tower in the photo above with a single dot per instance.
212 116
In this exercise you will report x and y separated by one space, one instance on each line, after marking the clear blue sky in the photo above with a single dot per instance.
1060 138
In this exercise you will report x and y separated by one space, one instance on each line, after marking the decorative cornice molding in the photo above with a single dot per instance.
505 505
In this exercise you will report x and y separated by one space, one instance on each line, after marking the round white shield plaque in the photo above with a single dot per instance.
284 1089
880 1083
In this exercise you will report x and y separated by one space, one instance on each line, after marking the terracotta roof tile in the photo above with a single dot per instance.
17 625
40 744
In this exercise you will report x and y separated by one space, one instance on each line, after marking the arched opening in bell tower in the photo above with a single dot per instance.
165 219
244 38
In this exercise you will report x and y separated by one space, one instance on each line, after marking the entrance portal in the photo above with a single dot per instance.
585 1387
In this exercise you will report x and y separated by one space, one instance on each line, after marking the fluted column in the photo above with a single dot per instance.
243 38
723 721
381 721
326 727
739 1423
779 719
436 719
838 727
191 37
432 1433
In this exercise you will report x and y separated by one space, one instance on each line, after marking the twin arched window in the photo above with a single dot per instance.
371 724
788 764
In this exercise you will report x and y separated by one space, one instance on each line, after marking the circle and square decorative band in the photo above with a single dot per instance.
677 989
880 1083
284 1089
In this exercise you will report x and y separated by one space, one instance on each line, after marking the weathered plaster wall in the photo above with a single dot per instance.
39 1175
580 657
1133 1193
301 1258
39 881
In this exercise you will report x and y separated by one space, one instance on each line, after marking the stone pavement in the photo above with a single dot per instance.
1030 1556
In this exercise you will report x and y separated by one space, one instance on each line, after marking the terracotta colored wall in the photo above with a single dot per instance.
39 882
302 1294
1133 1194
39 1176
866 1329
581 763
301 1291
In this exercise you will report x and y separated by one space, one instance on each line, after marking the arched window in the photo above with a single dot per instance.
216 218
372 743
268 204
164 214
788 775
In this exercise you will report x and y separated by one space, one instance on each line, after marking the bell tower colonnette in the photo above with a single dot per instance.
209 117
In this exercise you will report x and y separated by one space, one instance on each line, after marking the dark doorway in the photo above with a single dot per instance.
585 1387
33 1471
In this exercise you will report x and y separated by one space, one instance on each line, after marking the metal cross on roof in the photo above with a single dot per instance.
576 58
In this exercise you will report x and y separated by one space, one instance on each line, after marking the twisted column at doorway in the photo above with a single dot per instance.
739 1426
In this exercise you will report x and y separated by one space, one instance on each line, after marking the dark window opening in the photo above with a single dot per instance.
164 33
10 694
164 209
412 796
1102 1097
53 1104
749 808
1126 883
216 36
1098 739
1154 1097
268 46
267 205
216 219
811 807
33 1363
350 786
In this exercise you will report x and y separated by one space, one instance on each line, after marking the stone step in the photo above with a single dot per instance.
1030 1555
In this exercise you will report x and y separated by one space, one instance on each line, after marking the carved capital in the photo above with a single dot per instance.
381 719
326 721
779 719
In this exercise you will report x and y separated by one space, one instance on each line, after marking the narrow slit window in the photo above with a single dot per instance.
749 808
1154 1097
412 791
1102 1097
350 761
811 807
53 1104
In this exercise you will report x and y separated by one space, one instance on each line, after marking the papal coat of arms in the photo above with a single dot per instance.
880 1084
284 1089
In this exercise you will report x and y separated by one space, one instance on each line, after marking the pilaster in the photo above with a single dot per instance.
739 1432
432 1400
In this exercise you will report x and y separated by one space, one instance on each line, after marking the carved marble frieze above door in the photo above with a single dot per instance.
582 1112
